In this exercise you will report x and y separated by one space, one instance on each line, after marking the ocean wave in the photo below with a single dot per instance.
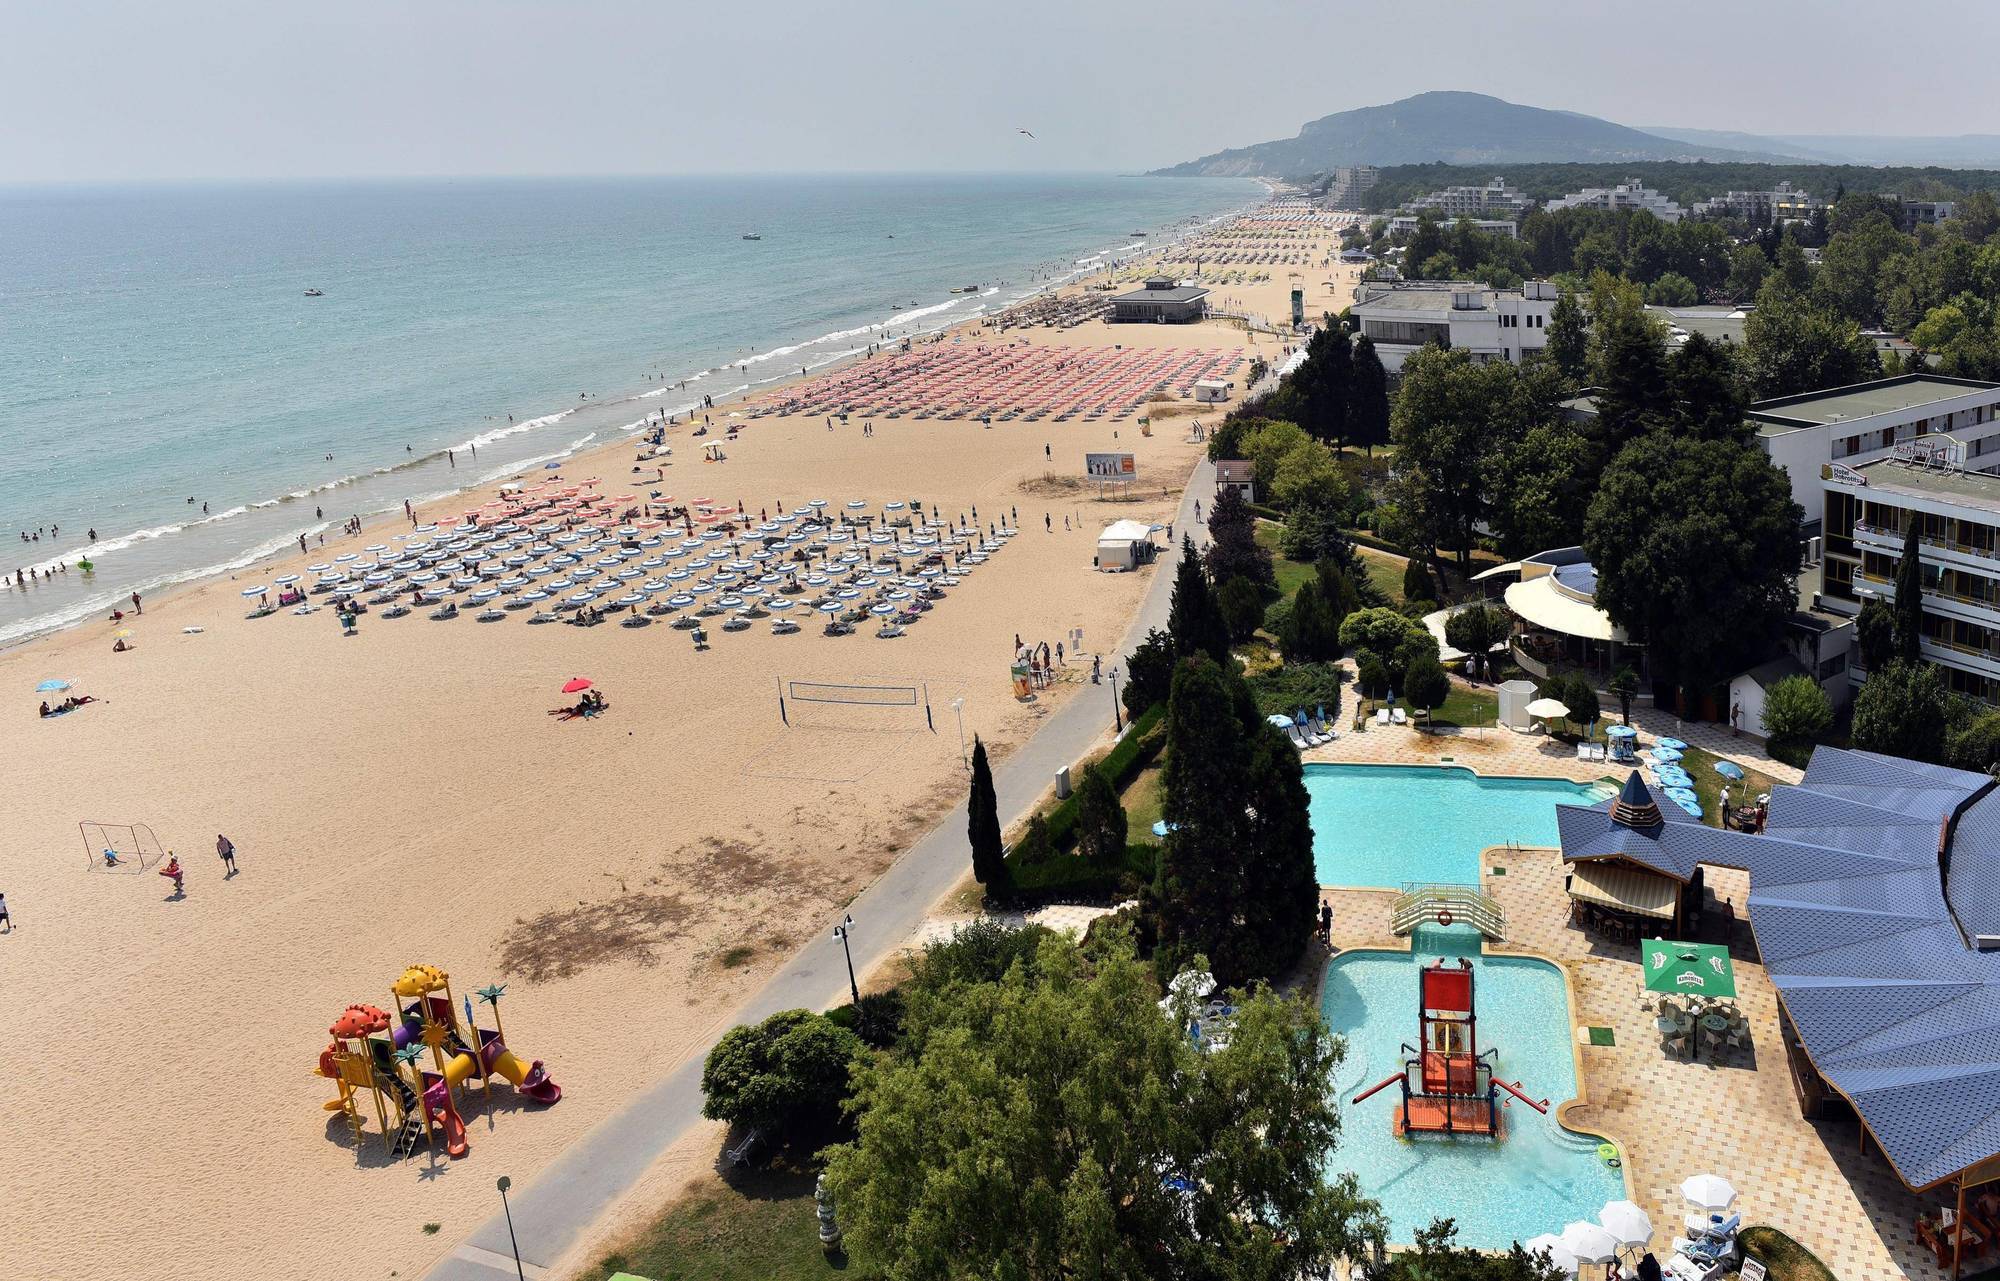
515 429
905 317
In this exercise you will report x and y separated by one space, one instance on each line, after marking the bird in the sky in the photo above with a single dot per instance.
1024 131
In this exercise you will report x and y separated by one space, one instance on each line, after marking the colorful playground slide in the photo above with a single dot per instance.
439 1109
530 1079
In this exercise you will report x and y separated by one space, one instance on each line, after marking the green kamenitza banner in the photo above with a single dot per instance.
1692 969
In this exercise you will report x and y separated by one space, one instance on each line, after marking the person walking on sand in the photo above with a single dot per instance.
226 850
6 918
136 607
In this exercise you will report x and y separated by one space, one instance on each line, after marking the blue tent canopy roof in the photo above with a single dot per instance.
1856 926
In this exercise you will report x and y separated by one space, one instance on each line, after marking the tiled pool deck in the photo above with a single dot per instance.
1738 1118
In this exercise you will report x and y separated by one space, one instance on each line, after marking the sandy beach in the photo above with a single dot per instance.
401 797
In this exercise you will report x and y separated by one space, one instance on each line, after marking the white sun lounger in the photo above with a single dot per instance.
1298 740
1381 716
1398 716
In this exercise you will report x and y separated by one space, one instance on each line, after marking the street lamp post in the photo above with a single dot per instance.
1117 715
958 707
503 1184
841 932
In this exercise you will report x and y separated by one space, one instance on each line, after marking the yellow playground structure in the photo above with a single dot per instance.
414 1060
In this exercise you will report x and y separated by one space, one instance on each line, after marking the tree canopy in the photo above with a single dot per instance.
1053 1125
1696 545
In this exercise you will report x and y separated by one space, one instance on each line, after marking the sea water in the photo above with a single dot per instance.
157 345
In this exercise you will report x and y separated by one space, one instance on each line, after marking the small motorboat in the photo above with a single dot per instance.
751 235
315 293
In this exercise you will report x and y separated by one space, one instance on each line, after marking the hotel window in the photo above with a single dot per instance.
1850 446
1838 579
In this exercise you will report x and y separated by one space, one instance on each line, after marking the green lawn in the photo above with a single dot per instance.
756 1227
1467 708
1785 1258
1143 804
1708 784
1385 571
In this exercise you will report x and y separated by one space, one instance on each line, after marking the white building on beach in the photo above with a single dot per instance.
1630 194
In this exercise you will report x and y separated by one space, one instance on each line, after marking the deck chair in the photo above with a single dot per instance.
1298 739
1396 715
1381 716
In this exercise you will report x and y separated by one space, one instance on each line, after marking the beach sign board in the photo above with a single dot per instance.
1111 466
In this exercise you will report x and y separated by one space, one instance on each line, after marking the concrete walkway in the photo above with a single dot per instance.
552 1211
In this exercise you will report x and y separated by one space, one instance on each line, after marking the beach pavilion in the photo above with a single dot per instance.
1561 624
1875 906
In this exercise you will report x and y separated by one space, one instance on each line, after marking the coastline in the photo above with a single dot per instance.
613 419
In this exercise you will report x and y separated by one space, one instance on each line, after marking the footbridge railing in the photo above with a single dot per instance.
1439 904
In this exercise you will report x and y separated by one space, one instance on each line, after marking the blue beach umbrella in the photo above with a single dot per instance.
1729 770
52 687
1674 743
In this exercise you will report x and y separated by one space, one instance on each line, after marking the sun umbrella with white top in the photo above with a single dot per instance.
1559 1254
1709 1192
1589 1242
1627 1222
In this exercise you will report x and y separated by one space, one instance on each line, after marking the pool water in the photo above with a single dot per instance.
1384 825
1538 1176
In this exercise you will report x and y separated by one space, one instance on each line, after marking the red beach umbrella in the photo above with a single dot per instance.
575 685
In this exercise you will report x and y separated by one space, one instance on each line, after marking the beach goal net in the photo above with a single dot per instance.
884 704
119 847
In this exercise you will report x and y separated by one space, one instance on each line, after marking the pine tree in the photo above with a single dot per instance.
1333 385
1909 595
1193 619
1368 397
1100 819
1198 885
982 825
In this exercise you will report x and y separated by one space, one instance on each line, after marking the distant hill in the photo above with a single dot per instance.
1958 151
1454 128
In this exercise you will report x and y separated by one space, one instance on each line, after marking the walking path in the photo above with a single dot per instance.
551 1211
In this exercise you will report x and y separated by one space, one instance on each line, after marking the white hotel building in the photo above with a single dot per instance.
1401 317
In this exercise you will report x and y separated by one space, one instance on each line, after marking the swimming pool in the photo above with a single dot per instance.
1538 1176
1383 825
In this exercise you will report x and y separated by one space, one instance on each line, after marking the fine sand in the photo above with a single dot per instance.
400 796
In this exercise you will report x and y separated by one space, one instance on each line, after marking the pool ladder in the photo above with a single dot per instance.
1423 904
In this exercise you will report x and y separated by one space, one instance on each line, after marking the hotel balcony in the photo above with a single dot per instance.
1945 604
1937 551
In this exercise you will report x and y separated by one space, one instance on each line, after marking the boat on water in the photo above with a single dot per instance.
1140 234
751 235
968 289
315 293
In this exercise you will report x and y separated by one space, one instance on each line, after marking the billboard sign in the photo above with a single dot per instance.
1110 466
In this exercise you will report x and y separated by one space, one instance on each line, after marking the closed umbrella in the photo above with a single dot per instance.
1627 1222
1709 1192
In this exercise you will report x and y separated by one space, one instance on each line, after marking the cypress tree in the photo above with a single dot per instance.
982 825
1368 397
1193 619
1909 595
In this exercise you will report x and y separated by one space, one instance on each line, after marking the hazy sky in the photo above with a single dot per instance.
108 89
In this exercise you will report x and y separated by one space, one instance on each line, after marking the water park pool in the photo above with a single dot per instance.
1537 1176
1383 825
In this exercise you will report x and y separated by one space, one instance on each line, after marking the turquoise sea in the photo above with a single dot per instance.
157 344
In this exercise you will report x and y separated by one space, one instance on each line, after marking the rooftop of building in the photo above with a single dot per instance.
1179 293
1862 400
1976 490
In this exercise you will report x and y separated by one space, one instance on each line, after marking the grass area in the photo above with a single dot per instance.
1143 802
758 1227
1708 784
1468 708
1386 572
1785 1258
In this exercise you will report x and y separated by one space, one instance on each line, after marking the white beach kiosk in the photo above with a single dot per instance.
1125 545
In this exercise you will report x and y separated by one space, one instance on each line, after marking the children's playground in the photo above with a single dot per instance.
413 1065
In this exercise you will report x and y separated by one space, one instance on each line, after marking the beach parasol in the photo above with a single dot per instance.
1709 1192
1699 969
1551 1247
123 633
254 591
1729 770
1547 709
1589 1242
52 686
575 685
1627 1222
1674 743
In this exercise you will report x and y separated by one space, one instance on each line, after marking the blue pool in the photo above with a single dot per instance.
1383 825
1538 1176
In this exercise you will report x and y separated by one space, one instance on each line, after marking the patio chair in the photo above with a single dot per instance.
1396 714
1583 751
1381 716
1298 739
